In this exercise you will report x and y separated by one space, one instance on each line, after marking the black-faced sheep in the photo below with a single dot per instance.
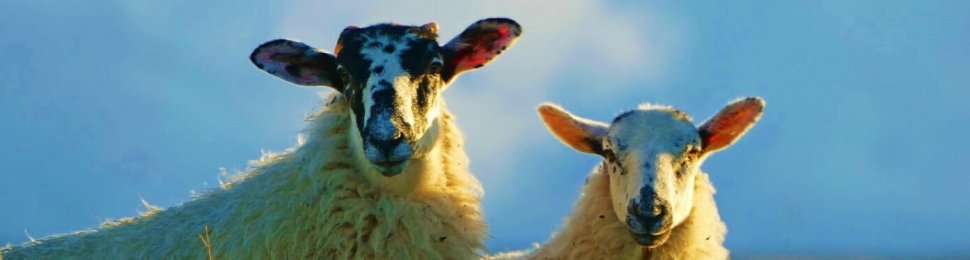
381 174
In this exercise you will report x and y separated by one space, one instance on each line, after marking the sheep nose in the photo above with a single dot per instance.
653 209
388 145
389 152
649 215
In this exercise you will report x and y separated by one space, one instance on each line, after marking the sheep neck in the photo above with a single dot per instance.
424 172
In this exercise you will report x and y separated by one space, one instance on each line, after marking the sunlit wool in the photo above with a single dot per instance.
591 231
308 202
648 199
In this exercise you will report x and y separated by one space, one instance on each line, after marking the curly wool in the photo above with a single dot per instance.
309 202
592 231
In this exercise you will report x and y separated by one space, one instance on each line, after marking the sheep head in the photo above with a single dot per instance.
652 155
392 76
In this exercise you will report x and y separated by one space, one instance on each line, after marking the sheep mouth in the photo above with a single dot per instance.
651 241
649 231
391 168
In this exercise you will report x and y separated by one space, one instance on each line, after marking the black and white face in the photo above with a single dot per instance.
392 77
652 156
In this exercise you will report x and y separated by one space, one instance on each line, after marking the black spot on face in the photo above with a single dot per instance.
602 216
415 59
424 98
442 239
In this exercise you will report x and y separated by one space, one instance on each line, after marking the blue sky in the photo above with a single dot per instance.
859 151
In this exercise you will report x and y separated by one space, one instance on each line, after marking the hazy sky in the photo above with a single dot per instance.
103 103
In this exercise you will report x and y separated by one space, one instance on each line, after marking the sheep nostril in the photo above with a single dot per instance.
659 206
386 146
653 208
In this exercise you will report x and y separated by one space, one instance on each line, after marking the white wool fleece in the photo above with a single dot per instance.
308 202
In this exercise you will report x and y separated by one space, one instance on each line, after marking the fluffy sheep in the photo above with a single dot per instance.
648 199
380 174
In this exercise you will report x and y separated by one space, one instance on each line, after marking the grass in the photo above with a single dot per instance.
205 240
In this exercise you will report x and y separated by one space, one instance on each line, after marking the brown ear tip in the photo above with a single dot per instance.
758 100
750 102
548 108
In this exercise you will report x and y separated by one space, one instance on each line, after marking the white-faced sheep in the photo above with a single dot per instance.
382 173
648 199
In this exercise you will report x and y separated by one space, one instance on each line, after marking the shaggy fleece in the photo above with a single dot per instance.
593 232
308 202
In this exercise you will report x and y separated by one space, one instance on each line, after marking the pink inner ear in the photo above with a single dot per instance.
481 48
276 66
286 51
308 76
265 57
729 125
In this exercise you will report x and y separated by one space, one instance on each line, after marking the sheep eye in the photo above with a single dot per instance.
435 66
692 152
691 148
608 152
609 155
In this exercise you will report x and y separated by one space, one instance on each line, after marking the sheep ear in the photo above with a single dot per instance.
478 45
296 62
581 134
731 123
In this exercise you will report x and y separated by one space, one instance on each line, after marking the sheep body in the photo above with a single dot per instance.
308 202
